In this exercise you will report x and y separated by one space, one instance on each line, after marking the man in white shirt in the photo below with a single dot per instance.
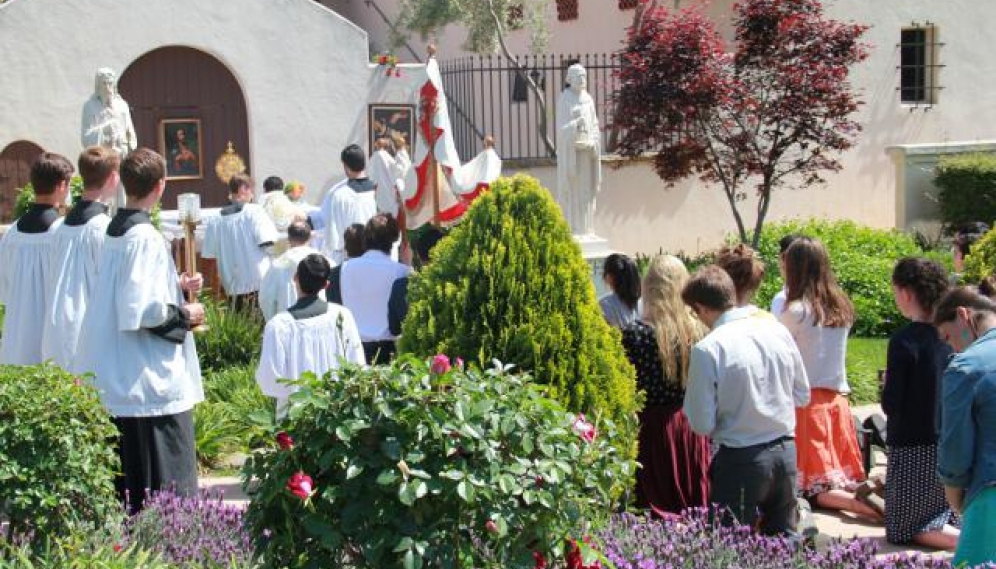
76 248
745 379
312 335
136 342
366 287
240 238
278 290
25 268
351 201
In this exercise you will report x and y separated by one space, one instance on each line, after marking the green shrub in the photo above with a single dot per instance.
234 337
865 356
862 258
419 466
967 185
981 259
509 283
57 463
71 556
225 422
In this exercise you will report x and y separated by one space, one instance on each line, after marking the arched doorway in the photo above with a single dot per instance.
187 85
15 172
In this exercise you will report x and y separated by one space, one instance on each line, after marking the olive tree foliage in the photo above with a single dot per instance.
488 23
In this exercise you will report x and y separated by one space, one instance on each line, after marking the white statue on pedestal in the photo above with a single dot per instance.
579 168
106 120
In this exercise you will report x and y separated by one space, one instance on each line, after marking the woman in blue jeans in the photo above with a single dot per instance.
966 461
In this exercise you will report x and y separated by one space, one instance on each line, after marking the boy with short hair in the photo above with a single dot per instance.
312 335
76 247
136 341
240 238
278 290
745 379
24 262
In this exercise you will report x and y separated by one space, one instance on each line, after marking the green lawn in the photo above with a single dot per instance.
865 356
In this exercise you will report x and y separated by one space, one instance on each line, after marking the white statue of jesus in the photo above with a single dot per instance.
106 120
579 168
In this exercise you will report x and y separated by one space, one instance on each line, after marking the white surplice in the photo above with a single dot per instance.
74 261
343 207
235 240
317 344
137 373
278 292
24 283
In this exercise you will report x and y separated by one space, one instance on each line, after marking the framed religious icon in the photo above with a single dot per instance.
180 145
396 122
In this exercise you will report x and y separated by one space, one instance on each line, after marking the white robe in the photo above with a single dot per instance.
137 373
24 283
278 292
235 241
74 260
318 344
343 207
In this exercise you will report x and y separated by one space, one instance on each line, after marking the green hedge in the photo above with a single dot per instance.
57 462
509 283
862 258
967 188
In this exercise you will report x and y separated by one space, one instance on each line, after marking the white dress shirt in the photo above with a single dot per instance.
366 288
745 379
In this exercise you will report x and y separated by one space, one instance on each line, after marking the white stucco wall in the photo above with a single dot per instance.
304 71
636 213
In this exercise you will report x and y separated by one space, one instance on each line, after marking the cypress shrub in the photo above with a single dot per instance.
509 283
967 188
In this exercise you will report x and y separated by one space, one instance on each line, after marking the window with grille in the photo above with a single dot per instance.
567 10
918 65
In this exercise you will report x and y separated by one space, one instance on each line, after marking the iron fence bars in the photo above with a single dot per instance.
487 94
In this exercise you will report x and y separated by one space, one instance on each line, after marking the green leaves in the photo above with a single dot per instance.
415 486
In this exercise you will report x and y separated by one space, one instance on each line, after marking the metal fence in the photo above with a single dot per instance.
487 96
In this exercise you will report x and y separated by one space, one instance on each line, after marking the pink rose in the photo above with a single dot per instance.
285 441
301 485
440 364
459 363
491 526
584 429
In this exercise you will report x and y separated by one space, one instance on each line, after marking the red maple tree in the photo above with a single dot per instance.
778 108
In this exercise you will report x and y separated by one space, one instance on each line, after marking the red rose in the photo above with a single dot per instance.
584 429
117 547
301 485
574 558
440 364
540 560
285 441
491 526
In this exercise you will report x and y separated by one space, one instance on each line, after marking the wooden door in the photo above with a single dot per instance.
182 83
15 172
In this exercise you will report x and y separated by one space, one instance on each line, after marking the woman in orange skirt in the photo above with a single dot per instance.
819 315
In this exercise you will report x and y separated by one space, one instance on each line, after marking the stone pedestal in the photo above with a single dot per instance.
595 249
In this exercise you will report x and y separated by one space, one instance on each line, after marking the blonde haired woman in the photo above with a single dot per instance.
675 460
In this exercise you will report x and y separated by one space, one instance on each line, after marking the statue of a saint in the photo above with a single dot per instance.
579 168
106 119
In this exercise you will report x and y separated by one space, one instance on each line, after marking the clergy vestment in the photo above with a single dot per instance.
351 201
76 247
25 278
312 335
238 238
136 341
278 291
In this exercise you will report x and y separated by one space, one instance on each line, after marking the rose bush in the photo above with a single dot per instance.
412 466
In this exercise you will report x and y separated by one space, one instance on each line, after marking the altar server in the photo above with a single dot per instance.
240 238
278 291
350 201
136 341
24 262
76 247
312 335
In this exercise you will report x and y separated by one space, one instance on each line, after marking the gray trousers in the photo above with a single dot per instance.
755 485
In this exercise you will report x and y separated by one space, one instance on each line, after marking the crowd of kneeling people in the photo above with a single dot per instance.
746 408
